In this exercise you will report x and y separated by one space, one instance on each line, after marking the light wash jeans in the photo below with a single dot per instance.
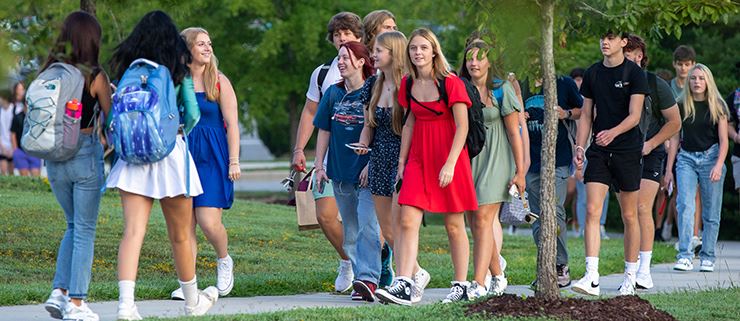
693 168
361 229
561 191
76 183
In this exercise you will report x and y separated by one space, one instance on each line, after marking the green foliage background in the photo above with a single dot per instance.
268 48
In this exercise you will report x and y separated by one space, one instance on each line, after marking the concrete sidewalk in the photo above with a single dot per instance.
726 274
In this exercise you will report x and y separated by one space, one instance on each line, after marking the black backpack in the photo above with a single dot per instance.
322 75
476 138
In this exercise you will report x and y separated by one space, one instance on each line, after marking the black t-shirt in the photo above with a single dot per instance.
699 133
568 98
16 127
733 103
660 100
610 89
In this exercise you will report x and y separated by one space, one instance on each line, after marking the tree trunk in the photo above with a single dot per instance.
546 276
88 6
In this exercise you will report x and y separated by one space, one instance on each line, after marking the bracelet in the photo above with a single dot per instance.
296 150
316 169
579 147
234 163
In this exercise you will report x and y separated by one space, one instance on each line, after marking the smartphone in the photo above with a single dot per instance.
398 185
353 147
322 183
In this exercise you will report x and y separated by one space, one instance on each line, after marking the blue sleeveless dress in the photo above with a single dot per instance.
207 143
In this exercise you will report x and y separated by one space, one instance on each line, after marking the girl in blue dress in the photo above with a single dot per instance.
214 144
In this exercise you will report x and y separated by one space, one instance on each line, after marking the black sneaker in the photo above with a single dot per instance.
563 275
458 292
398 293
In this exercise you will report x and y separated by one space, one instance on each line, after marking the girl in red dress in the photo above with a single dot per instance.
433 164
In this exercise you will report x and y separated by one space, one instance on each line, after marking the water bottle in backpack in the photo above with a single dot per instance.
49 131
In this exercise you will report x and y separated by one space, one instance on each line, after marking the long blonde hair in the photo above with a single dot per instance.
440 67
395 42
210 76
717 106
370 25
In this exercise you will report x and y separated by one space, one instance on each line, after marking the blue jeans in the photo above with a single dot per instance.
361 230
561 190
76 183
581 206
693 168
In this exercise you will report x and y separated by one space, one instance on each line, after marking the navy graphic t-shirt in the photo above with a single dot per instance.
342 114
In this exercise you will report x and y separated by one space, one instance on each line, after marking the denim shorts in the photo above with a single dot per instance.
327 192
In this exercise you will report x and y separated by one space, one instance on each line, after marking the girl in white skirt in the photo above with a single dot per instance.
156 38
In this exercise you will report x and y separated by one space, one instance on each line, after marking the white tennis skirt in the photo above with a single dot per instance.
165 178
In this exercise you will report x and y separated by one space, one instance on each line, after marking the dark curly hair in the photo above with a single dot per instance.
156 38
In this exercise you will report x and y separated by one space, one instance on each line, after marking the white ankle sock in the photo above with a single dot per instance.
645 257
126 292
630 268
190 291
592 266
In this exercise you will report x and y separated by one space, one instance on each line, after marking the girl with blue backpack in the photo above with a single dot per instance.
166 173
214 144
76 182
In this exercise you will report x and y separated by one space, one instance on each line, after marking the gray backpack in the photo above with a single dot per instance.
48 132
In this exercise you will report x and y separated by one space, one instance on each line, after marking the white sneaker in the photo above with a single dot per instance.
587 285
177 295
128 312
421 280
345 276
225 276
487 281
643 281
79 313
502 263
706 266
683 264
696 245
206 299
628 285
477 290
498 285
56 303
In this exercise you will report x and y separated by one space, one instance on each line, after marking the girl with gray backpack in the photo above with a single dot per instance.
71 76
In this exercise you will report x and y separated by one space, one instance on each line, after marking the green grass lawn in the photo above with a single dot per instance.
272 257
686 306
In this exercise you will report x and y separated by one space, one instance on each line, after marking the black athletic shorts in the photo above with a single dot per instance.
4 158
621 170
653 165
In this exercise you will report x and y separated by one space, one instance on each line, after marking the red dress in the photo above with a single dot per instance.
430 145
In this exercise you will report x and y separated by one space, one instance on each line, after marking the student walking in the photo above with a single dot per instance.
433 165
214 144
499 165
614 90
700 162
172 180
662 120
76 182
383 127
340 119
343 27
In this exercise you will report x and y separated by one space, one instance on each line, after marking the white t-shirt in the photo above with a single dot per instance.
332 77
6 119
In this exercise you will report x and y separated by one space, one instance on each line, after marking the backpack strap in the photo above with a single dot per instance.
409 83
442 89
322 75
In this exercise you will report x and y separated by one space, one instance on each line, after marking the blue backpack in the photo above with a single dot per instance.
144 116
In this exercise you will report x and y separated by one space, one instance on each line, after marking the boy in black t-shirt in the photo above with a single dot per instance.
662 120
614 91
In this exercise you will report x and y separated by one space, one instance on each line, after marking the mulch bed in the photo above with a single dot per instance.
616 308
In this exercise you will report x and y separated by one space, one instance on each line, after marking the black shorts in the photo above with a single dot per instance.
621 170
653 165
4 158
